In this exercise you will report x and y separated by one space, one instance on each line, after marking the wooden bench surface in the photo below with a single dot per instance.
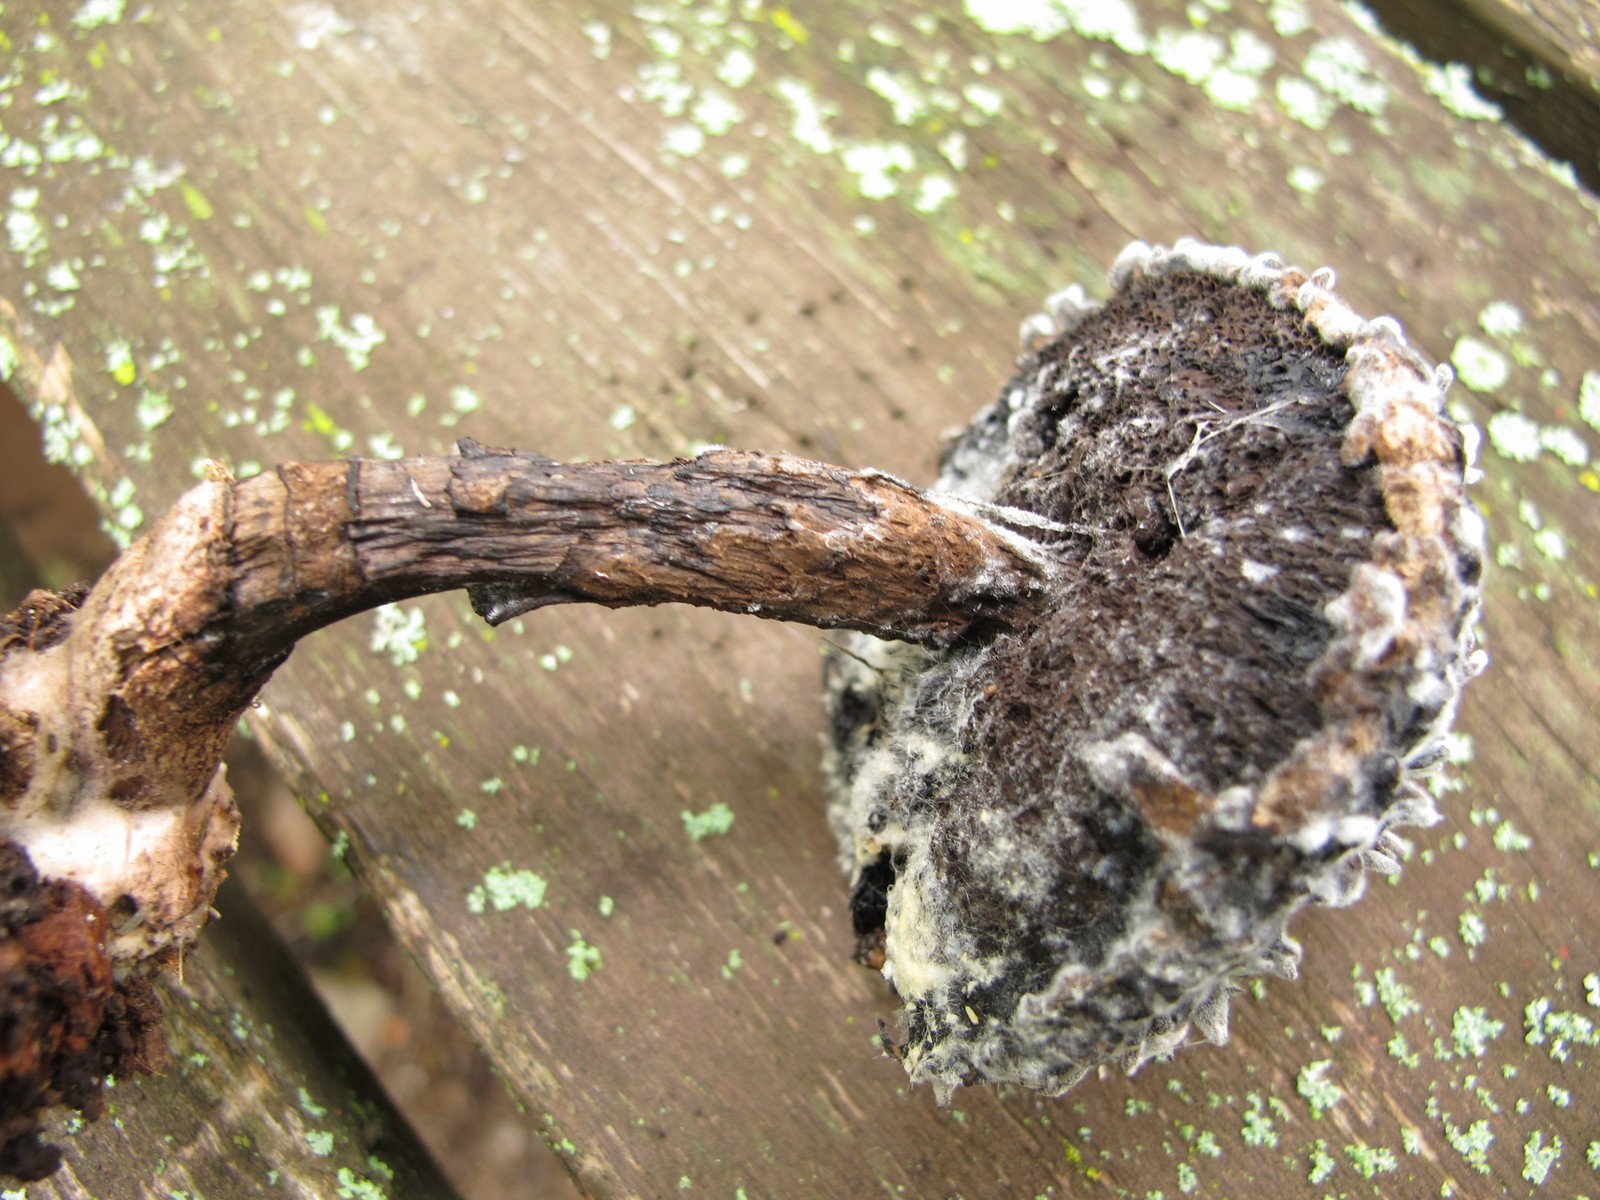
256 232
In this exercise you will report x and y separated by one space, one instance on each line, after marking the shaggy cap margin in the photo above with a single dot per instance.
1200 876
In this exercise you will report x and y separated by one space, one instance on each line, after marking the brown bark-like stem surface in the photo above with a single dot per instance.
766 534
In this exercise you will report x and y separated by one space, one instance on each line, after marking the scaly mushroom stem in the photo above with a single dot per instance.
768 534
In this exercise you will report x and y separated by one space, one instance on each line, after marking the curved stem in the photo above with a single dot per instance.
767 534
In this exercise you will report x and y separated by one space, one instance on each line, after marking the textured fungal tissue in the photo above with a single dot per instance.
1068 841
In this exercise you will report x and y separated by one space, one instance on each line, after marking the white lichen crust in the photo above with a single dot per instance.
1068 843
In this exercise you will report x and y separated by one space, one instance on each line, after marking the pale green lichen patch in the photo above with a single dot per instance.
908 101
714 821
1316 1089
1396 998
1452 84
1399 1049
932 193
1306 179
1190 54
1507 838
319 1142
984 99
599 35
1340 67
1258 1129
1472 1029
60 437
152 409
358 1187
1290 18
559 656
582 958
504 888
684 141
875 165
1565 443
1501 319
1471 1142
1538 1159
96 13
62 277
1589 399
1321 1165
358 339
1371 1161
309 1106
1557 1030
810 115
402 634
1478 365
1514 436
737 68
1551 543
119 361
24 226
1302 101
1114 21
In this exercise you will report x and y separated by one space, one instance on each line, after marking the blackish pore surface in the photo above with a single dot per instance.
1189 441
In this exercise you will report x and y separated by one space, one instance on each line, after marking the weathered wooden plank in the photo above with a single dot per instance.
262 1095
343 228
1538 61
1564 33
54 527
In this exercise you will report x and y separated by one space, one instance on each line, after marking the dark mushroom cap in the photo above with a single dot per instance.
1069 839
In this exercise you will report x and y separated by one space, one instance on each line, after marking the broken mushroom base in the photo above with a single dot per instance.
69 1021
1068 841
115 818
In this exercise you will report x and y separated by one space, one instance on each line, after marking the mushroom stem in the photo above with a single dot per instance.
766 534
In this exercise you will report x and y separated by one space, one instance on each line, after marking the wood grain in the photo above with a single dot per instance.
514 195
261 1095
262 1098
1536 60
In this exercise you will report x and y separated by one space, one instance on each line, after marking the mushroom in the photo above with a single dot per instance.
1160 660
1068 841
